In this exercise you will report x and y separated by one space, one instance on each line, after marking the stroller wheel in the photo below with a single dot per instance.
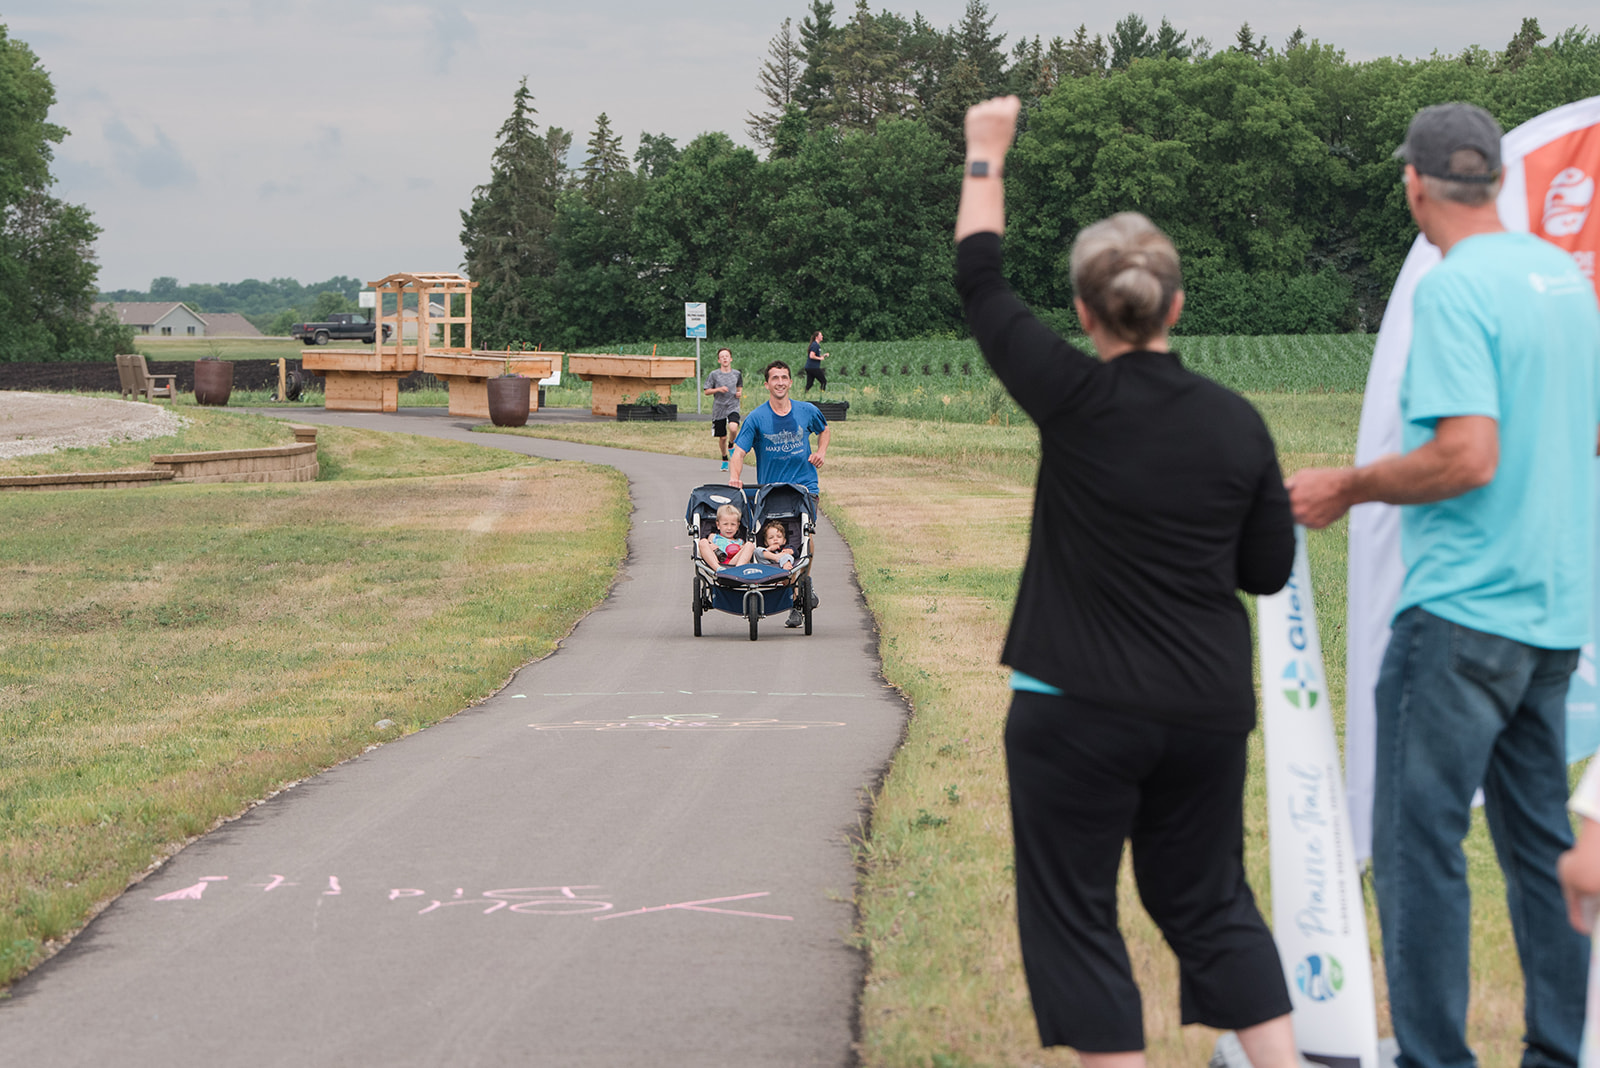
699 604
752 609
805 592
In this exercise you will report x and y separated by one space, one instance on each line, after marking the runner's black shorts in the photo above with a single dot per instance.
719 427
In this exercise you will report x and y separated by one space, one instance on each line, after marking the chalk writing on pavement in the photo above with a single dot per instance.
565 899
685 721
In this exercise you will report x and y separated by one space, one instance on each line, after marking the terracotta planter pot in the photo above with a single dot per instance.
213 381
508 401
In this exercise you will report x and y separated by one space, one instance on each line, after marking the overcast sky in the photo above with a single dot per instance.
217 140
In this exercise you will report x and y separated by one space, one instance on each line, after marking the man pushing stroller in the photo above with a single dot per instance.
779 433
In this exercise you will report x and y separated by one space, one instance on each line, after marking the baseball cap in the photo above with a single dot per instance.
1438 131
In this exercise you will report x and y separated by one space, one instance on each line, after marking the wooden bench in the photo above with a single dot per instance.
135 378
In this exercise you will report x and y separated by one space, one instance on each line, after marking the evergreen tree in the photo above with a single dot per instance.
779 80
1131 40
1082 57
603 164
928 56
1297 39
1055 64
1027 76
947 118
1245 43
506 232
1522 47
976 43
816 35
1168 43
864 68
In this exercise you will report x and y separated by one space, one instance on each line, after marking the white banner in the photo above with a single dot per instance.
1551 165
1318 917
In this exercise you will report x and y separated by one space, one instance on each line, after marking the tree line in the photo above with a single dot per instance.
1268 163
273 306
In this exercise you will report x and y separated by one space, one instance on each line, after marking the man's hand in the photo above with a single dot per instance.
822 446
1320 495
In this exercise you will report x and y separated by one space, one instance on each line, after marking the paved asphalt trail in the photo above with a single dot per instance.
491 891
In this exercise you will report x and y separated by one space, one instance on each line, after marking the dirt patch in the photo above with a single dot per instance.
33 423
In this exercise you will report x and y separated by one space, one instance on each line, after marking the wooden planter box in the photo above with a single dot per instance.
647 413
833 411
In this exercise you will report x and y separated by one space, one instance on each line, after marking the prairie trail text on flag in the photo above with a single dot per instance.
1319 920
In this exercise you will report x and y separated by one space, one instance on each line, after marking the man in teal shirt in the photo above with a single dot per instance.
1500 406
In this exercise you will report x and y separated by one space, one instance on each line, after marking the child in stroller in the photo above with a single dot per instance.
724 548
752 588
774 545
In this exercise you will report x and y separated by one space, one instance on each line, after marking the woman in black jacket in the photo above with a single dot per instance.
1159 496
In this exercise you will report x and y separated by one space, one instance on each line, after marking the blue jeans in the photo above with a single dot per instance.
1458 709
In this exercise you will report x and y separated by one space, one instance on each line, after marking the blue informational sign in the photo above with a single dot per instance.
694 320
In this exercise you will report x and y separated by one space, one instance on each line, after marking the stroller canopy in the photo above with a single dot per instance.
782 499
705 500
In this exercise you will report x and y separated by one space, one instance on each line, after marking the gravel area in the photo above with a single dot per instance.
31 423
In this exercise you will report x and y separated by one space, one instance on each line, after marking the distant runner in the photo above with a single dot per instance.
726 388
813 368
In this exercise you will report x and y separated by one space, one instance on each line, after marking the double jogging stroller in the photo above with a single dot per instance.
758 588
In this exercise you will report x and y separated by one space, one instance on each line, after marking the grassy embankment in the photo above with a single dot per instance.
945 985
173 653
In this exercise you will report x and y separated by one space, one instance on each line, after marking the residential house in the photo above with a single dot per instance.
228 324
158 318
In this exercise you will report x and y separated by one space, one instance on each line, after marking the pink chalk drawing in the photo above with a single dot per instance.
192 893
536 900
703 906
277 881
565 899
684 721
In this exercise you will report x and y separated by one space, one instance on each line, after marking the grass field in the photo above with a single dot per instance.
172 654
945 985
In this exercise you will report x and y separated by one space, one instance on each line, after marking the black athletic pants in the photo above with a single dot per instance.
819 375
1083 781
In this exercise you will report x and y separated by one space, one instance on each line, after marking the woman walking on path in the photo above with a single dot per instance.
813 368
1158 496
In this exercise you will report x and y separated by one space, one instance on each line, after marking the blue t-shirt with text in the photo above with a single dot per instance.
1507 327
782 443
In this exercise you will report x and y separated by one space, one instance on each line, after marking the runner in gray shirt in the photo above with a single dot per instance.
726 387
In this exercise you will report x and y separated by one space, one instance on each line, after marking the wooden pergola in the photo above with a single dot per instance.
434 301
428 317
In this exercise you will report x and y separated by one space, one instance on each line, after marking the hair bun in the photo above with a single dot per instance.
1126 270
